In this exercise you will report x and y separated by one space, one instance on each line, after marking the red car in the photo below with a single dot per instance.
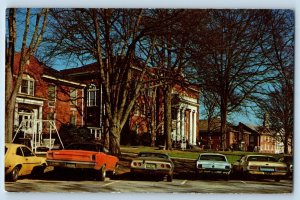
84 156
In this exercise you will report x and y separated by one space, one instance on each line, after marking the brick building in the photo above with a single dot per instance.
75 96
46 95
147 115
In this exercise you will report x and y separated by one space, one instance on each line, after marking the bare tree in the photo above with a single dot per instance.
118 40
229 61
171 56
29 45
278 48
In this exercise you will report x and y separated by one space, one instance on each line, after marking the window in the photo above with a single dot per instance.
27 85
73 118
73 96
19 152
92 95
27 152
51 95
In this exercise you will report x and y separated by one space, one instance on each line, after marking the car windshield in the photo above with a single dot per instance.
261 158
156 155
87 147
212 157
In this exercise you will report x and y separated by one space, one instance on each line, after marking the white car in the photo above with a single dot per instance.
213 163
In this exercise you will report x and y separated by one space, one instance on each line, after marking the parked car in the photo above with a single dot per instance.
260 166
21 161
149 163
84 156
213 163
288 160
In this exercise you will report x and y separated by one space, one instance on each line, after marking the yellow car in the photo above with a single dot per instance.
20 161
263 166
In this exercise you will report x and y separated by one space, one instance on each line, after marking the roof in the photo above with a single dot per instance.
47 72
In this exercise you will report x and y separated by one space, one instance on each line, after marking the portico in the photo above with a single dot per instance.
185 121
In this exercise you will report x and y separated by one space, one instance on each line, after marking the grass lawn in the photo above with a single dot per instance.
232 156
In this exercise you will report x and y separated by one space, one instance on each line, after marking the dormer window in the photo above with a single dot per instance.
92 95
27 85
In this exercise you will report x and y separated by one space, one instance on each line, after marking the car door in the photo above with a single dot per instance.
30 160
20 159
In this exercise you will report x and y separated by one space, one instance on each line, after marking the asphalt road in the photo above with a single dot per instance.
184 181
147 185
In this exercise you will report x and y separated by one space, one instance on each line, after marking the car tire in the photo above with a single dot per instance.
14 174
170 177
38 171
102 174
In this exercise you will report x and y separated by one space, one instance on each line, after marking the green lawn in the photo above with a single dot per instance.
192 154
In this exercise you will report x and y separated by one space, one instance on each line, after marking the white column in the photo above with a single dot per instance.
178 119
191 127
182 125
195 127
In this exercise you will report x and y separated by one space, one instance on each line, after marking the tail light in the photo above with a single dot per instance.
162 166
227 167
199 166
168 166
253 167
93 157
137 164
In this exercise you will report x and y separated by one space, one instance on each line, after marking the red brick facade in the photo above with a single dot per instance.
33 98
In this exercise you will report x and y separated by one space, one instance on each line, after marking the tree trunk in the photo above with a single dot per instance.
223 127
168 117
286 140
9 120
114 140
153 109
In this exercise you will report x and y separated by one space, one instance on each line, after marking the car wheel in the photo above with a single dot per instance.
102 174
37 171
170 177
14 175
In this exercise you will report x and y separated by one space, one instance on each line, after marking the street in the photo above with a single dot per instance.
125 183
177 186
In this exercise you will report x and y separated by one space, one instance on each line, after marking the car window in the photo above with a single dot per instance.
27 152
213 157
19 152
261 158
156 155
